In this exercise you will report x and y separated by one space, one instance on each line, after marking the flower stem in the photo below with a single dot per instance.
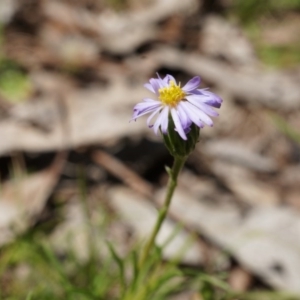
172 183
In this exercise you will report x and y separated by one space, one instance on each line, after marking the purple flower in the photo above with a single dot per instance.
186 105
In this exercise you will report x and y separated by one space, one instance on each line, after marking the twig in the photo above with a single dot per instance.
124 173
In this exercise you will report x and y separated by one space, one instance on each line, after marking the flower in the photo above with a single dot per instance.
186 105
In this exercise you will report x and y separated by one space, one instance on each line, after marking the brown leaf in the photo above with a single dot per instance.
23 198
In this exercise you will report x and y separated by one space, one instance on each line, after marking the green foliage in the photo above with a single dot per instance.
14 84
117 5
49 276
286 129
249 10
279 56
253 14
176 145
30 269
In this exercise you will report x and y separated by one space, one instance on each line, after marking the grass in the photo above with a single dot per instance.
280 56
286 129
15 86
252 14
31 269
248 11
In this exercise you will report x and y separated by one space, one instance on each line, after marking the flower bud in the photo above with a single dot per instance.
177 146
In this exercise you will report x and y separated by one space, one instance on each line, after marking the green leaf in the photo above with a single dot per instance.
286 129
120 264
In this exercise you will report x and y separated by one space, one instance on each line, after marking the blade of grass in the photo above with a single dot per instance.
286 129
120 264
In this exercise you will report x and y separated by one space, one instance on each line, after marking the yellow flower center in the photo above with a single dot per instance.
171 94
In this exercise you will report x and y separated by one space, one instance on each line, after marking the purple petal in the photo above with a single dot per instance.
160 119
192 115
208 110
192 84
158 76
170 78
212 99
162 82
166 79
200 115
178 124
151 117
155 84
199 91
185 121
150 100
149 87
165 121
144 108
203 106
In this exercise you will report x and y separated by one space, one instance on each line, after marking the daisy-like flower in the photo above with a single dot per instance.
186 105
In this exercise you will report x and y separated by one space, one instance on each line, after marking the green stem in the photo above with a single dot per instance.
172 183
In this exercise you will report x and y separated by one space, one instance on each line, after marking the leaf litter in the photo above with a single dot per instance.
87 73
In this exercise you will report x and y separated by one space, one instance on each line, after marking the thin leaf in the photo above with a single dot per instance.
119 263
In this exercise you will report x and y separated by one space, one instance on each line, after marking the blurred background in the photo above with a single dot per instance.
76 173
